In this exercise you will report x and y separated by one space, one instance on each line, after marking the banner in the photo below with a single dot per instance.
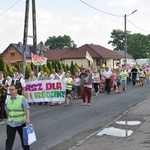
38 60
45 91
88 57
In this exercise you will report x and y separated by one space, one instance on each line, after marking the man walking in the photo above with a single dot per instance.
18 116
107 75
134 73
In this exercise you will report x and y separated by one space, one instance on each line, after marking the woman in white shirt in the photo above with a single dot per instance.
77 85
96 81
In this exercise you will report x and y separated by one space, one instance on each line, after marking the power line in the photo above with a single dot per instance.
9 8
138 27
111 15
99 9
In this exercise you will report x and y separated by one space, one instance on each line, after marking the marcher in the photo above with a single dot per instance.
3 95
52 75
8 78
124 75
87 88
69 83
96 81
77 86
134 73
32 77
82 76
44 76
118 81
141 77
148 76
18 117
19 82
107 75
56 103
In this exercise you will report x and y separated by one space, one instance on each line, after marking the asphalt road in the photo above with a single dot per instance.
61 127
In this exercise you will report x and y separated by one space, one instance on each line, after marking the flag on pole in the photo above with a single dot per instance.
38 60
88 57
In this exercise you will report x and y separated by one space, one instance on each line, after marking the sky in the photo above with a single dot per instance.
84 24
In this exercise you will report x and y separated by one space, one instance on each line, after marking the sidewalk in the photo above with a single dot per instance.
138 140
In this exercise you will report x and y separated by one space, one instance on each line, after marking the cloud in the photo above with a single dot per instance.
88 26
11 28
81 29
118 3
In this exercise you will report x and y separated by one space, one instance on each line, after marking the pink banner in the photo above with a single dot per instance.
38 60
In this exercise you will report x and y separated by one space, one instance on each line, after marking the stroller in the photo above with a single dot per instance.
102 85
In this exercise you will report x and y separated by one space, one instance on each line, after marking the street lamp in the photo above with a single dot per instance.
125 30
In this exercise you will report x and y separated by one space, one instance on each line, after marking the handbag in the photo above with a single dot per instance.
29 136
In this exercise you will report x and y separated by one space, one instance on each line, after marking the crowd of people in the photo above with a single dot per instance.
83 83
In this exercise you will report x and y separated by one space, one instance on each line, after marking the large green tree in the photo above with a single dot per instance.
118 39
59 42
138 45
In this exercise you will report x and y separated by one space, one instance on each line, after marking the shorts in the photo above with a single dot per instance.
123 82
118 83
68 91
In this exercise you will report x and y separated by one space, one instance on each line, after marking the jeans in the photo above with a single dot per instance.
107 85
86 92
96 87
134 79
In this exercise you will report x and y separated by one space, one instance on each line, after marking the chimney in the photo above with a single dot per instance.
20 44
74 46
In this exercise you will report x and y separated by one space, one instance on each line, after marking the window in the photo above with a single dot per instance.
12 64
12 53
97 62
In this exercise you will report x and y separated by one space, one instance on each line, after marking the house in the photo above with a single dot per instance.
129 58
13 53
100 55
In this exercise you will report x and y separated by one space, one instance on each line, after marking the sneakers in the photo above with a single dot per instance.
96 94
89 104
85 104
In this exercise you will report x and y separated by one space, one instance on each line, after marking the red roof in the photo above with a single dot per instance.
96 51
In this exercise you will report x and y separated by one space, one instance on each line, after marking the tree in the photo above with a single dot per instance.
137 44
27 71
1 65
72 68
118 39
59 42
8 70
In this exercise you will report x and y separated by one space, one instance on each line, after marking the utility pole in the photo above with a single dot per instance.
125 32
24 47
34 33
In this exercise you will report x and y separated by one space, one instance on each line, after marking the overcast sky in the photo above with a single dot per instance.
82 23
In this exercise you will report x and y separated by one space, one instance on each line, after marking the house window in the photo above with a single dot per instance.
12 54
97 62
12 64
